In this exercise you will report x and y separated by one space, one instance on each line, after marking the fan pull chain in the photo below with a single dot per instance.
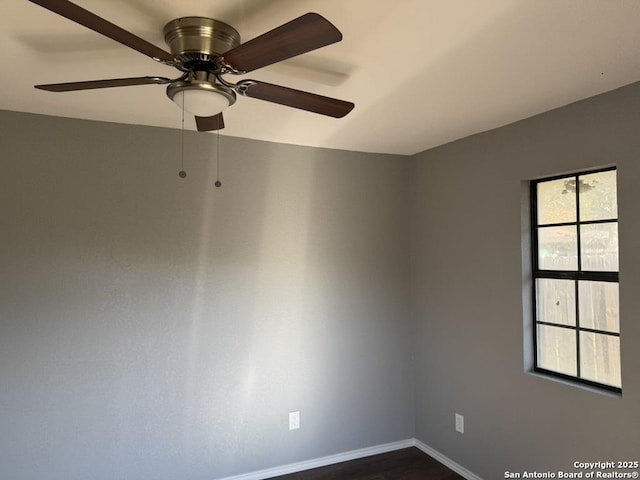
218 183
182 173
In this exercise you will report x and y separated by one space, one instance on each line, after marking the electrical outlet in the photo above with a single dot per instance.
459 423
294 420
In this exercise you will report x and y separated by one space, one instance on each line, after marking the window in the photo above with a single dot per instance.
575 278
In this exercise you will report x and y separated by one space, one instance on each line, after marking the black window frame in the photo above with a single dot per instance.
576 275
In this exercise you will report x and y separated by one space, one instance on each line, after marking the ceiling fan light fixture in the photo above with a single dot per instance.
204 50
201 98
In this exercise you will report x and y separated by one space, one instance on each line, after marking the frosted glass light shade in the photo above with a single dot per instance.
203 103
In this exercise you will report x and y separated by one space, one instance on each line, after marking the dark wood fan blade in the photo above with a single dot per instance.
206 124
296 98
305 33
91 84
97 24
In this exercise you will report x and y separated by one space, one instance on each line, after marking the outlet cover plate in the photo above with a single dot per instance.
294 420
459 423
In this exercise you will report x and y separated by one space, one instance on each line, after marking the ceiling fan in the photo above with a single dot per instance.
203 50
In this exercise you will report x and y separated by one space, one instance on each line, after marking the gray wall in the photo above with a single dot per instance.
467 294
154 327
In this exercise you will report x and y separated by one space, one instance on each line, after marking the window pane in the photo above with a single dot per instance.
556 301
557 349
557 248
598 196
600 358
599 306
557 201
599 247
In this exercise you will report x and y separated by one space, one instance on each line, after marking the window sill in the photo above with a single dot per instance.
581 386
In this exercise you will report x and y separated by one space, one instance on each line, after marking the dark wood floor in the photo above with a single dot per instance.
405 464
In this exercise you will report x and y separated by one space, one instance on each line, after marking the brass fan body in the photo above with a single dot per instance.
196 42
199 39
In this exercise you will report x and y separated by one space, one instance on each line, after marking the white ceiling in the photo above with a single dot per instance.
421 72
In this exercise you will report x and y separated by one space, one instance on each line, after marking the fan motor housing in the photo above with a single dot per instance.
199 38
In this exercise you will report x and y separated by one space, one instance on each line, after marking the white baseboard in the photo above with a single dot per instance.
323 461
459 469
353 455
